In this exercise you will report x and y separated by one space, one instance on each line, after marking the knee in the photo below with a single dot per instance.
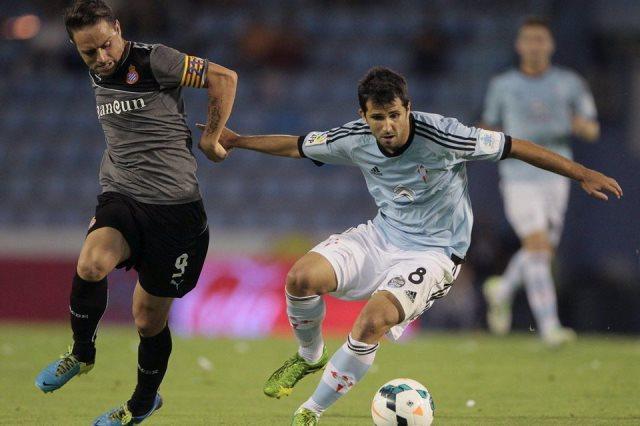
91 269
370 328
147 323
299 282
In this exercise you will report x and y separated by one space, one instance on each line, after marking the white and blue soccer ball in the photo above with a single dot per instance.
402 402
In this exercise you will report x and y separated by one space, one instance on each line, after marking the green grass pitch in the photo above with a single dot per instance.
512 380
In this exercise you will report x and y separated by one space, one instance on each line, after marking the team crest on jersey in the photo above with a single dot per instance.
396 282
132 75
403 195
422 171
317 139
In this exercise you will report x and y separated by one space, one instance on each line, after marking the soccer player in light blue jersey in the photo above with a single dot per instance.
546 104
408 256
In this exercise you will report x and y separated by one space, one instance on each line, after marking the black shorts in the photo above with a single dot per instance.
168 242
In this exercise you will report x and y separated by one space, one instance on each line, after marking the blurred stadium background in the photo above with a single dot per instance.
299 62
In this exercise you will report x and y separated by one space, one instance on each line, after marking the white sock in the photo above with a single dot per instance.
345 368
540 290
305 316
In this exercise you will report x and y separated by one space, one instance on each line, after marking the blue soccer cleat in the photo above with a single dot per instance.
121 416
59 372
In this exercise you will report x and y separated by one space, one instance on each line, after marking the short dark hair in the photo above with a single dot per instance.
536 21
381 86
84 13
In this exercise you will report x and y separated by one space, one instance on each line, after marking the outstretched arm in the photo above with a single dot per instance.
221 89
594 183
281 145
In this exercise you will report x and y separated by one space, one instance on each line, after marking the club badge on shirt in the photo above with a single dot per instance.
132 75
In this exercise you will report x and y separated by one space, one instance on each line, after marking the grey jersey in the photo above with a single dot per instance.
141 110
539 109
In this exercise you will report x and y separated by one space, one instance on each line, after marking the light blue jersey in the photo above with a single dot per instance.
421 192
539 109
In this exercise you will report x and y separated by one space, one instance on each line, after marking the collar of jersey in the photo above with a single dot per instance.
403 148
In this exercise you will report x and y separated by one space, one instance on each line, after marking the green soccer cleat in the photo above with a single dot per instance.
305 417
498 311
282 381
59 372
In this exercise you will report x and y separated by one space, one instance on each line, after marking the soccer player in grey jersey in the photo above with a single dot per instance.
150 215
408 256
547 104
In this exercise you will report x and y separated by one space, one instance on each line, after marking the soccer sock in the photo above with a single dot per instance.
153 358
305 316
87 303
512 277
540 290
345 368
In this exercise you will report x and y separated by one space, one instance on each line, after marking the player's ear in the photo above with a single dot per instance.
408 107
362 114
117 27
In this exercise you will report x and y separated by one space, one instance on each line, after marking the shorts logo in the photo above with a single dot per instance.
132 75
422 171
92 222
411 295
396 282
317 139
181 265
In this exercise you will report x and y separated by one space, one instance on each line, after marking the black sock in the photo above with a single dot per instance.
153 358
87 303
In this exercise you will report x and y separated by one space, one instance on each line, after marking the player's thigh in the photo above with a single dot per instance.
525 207
311 274
150 312
357 259
416 280
102 250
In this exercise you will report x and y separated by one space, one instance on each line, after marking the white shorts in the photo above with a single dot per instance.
534 207
364 263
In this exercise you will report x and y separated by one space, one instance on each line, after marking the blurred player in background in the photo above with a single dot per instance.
410 254
546 104
150 215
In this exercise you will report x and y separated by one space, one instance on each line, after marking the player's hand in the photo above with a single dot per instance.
227 139
597 185
585 129
211 148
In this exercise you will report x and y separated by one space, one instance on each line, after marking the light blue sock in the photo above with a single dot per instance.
512 278
345 368
540 290
305 316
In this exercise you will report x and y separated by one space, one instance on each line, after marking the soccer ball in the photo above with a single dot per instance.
402 402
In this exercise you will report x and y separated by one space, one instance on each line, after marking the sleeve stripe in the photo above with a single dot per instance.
444 135
337 138
507 147
356 126
184 71
432 139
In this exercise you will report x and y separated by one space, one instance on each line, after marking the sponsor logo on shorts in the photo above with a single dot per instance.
396 282
411 295
132 75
